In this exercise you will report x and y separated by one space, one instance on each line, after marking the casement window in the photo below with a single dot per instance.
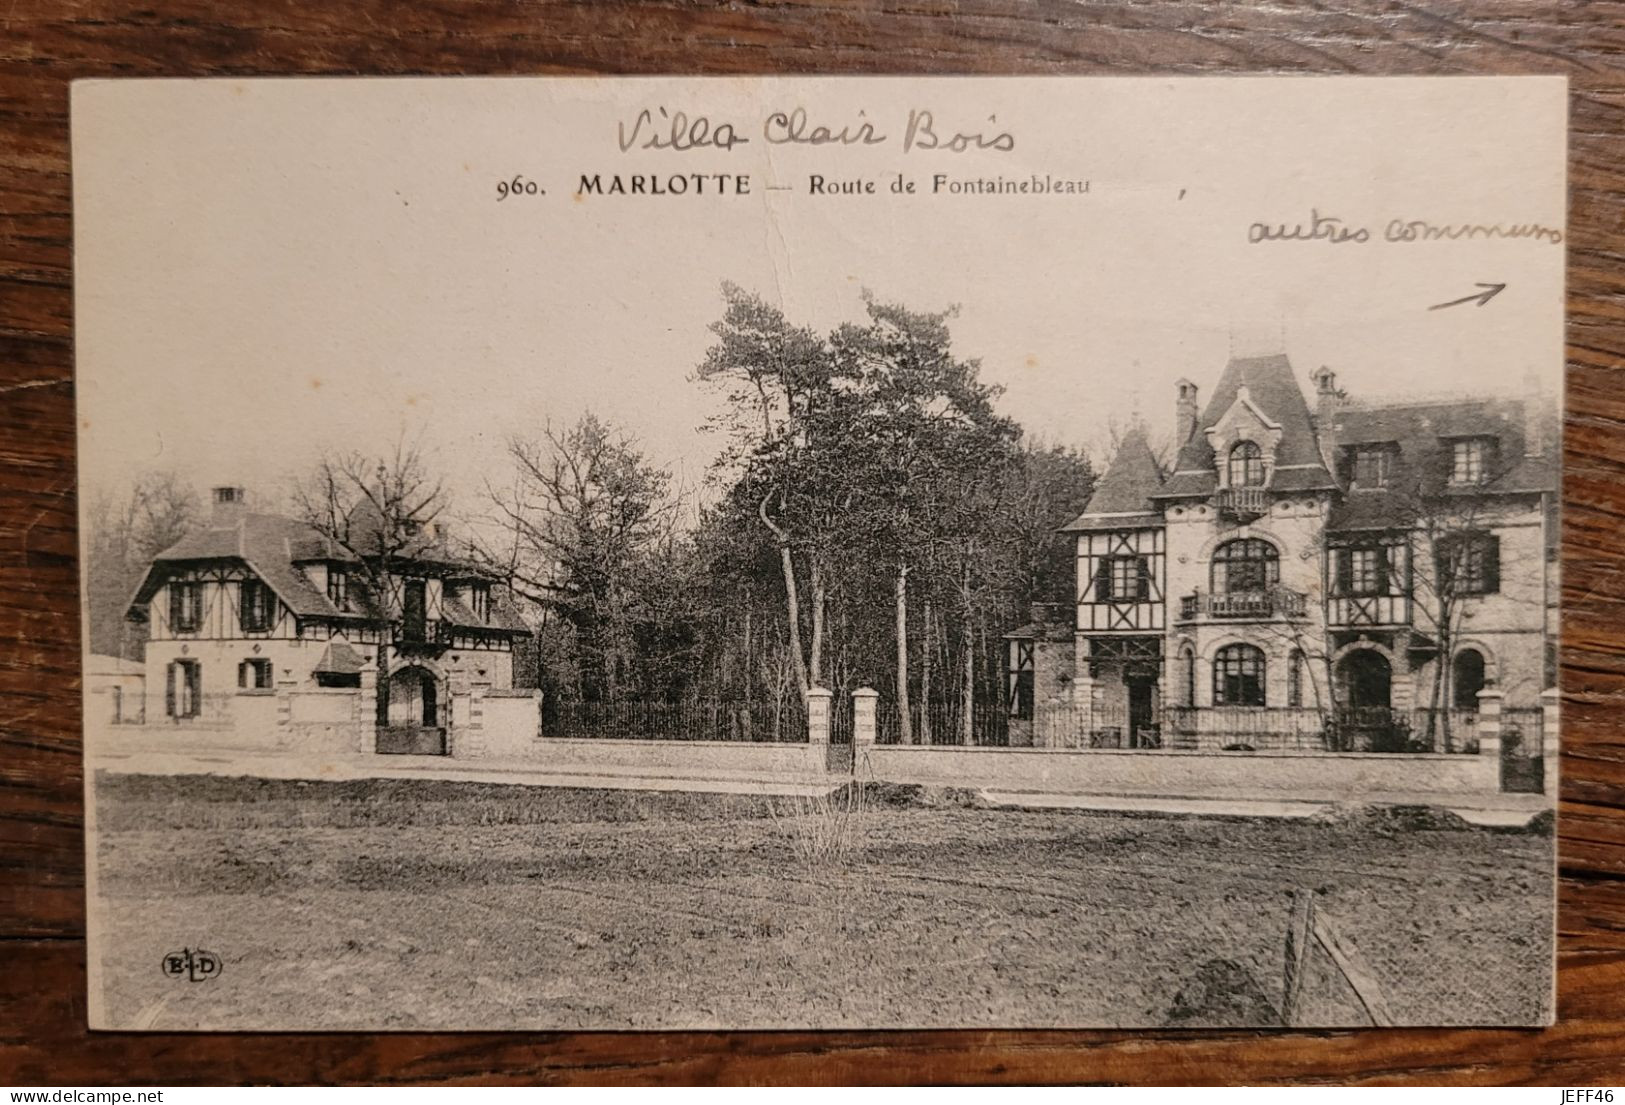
1123 579
185 606
479 601
1248 565
1247 465
1470 460
1188 662
1469 563
254 674
1368 570
1238 676
1294 679
1372 466
256 606
338 588
183 689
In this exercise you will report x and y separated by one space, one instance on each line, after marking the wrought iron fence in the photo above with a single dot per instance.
1246 729
1445 730
944 723
747 722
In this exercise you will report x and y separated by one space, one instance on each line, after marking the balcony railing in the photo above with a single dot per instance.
1277 602
1358 610
1243 502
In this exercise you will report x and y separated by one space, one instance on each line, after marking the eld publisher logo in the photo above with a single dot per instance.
194 965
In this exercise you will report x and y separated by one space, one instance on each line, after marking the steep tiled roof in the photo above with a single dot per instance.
1123 496
269 544
339 659
504 615
1419 429
273 546
1273 390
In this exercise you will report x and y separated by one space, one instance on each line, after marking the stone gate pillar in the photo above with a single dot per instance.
1549 733
864 703
1489 722
818 714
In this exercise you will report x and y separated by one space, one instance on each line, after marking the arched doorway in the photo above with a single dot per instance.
1367 680
1365 721
1466 679
412 724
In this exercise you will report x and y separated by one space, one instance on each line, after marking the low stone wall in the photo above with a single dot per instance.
502 725
326 722
1349 777
678 758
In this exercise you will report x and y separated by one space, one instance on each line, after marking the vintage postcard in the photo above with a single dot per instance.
819 553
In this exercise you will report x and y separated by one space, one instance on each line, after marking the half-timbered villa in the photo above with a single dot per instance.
250 604
1297 576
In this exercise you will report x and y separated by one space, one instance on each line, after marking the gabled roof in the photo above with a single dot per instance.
272 546
1122 498
1273 392
269 544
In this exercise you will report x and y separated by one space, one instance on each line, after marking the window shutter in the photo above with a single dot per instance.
1492 564
245 604
169 690
194 687
1145 580
1103 579
1344 566
174 606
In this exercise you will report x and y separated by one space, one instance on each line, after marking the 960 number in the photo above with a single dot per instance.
518 186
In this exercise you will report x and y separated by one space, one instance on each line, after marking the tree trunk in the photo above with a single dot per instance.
927 646
967 699
905 724
815 674
792 600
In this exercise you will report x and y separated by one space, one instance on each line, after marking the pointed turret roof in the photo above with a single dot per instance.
1272 389
1122 498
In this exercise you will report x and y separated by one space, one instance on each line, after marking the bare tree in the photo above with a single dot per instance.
123 537
381 511
585 510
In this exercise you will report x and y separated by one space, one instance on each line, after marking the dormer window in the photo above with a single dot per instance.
1246 465
1373 465
1470 460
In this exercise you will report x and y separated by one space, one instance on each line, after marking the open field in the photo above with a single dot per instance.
415 904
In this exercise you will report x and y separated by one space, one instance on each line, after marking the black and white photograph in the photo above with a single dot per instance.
771 553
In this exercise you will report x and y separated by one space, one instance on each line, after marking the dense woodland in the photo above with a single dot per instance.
870 518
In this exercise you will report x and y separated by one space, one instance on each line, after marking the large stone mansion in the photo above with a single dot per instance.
1353 574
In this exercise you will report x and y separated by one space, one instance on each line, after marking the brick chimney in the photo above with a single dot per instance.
230 503
1327 398
1184 411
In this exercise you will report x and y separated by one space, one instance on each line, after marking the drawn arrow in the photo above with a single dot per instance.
1490 292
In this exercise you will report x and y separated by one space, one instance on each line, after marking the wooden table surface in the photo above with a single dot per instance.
43 45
